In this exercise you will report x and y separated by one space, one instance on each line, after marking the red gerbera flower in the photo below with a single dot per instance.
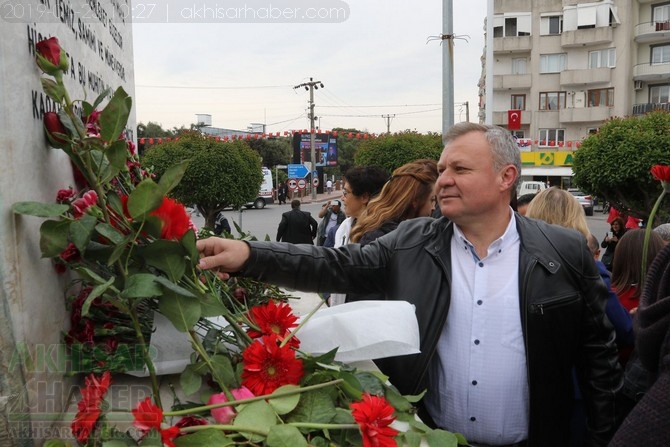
661 172
374 415
147 415
274 319
267 366
89 406
168 435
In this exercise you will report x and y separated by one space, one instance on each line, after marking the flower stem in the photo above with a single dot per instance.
647 234
146 357
302 323
275 395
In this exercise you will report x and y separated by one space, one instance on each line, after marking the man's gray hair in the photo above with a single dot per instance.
504 147
663 230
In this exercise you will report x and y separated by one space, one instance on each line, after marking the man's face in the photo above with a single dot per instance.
468 188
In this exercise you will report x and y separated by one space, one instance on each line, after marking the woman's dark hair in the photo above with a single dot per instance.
622 224
366 180
627 263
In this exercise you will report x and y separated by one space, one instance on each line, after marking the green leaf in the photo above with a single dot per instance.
169 285
40 209
189 380
223 370
109 232
70 125
117 153
397 400
145 198
351 385
211 306
182 312
90 275
81 231
188 241
286 404
96 292
101 166
166 256
141 285
172 176
114 116
53 90
118 251
211 437
258 415
114 443
101 97
441 438
315 406
370 383
114 202
285 436
53 237
412 439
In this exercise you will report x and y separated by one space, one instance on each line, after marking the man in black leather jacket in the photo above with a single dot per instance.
561 299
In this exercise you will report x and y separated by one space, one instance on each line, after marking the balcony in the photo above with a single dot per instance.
649 73
586 37
577 2
500 118
641 109
500 6
511 82
652 32
586 76
521 44
585 114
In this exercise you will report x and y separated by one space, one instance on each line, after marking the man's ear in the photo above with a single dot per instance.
508 176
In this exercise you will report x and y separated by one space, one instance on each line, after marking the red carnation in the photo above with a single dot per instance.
374 415
53 126
267 366
174 218
147 415
64 195
88 407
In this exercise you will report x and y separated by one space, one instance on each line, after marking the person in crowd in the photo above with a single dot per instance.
506 306
221 224
296 226
282 193
648 423
331 215
559 207
663 230
522 203
409 193
329 186
609 243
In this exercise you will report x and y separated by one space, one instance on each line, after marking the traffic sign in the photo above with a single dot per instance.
302 184
315 181
292 183
297 171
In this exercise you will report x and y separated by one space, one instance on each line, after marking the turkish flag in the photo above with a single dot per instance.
514 119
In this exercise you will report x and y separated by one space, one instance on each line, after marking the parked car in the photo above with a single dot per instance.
530 187
585 200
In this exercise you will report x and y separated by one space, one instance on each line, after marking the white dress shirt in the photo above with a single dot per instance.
478 381
341 238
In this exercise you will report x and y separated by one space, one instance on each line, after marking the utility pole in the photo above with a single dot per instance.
311 86
388 122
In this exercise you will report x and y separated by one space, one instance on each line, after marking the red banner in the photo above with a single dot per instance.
514 119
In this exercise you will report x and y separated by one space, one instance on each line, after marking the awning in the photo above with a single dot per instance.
560 171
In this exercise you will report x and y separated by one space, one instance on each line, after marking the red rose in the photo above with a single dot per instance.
52 126
50 57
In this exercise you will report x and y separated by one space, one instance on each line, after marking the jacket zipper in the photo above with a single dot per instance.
556 302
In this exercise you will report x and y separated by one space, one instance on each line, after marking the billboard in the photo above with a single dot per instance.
325 149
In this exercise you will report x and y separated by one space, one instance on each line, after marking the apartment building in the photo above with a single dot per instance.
561 68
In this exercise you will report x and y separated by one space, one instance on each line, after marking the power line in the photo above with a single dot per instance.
239 87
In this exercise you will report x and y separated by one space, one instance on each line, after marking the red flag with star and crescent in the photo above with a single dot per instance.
514 119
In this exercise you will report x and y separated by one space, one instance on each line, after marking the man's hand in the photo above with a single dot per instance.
222 256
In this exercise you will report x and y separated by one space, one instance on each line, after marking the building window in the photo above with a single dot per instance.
551 25
659 94
602 58
552 100
518 134
511 26
519 65
661 13
660 54
603 97
552 63
518 102
551 137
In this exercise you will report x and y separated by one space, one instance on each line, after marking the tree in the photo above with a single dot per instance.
346 148
615 162
273 151
151 130
393 151
219 174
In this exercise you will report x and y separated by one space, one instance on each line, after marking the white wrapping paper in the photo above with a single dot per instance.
362 330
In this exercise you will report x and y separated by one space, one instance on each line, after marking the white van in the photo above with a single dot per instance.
265 196
530 187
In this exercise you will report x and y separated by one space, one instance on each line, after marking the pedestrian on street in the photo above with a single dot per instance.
507 306
296 226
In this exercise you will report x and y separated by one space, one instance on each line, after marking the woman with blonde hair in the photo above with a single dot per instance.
409 193
559 207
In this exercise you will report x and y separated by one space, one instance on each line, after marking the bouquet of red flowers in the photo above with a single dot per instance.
132 251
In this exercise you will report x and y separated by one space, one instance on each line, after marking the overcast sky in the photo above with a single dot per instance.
378 61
